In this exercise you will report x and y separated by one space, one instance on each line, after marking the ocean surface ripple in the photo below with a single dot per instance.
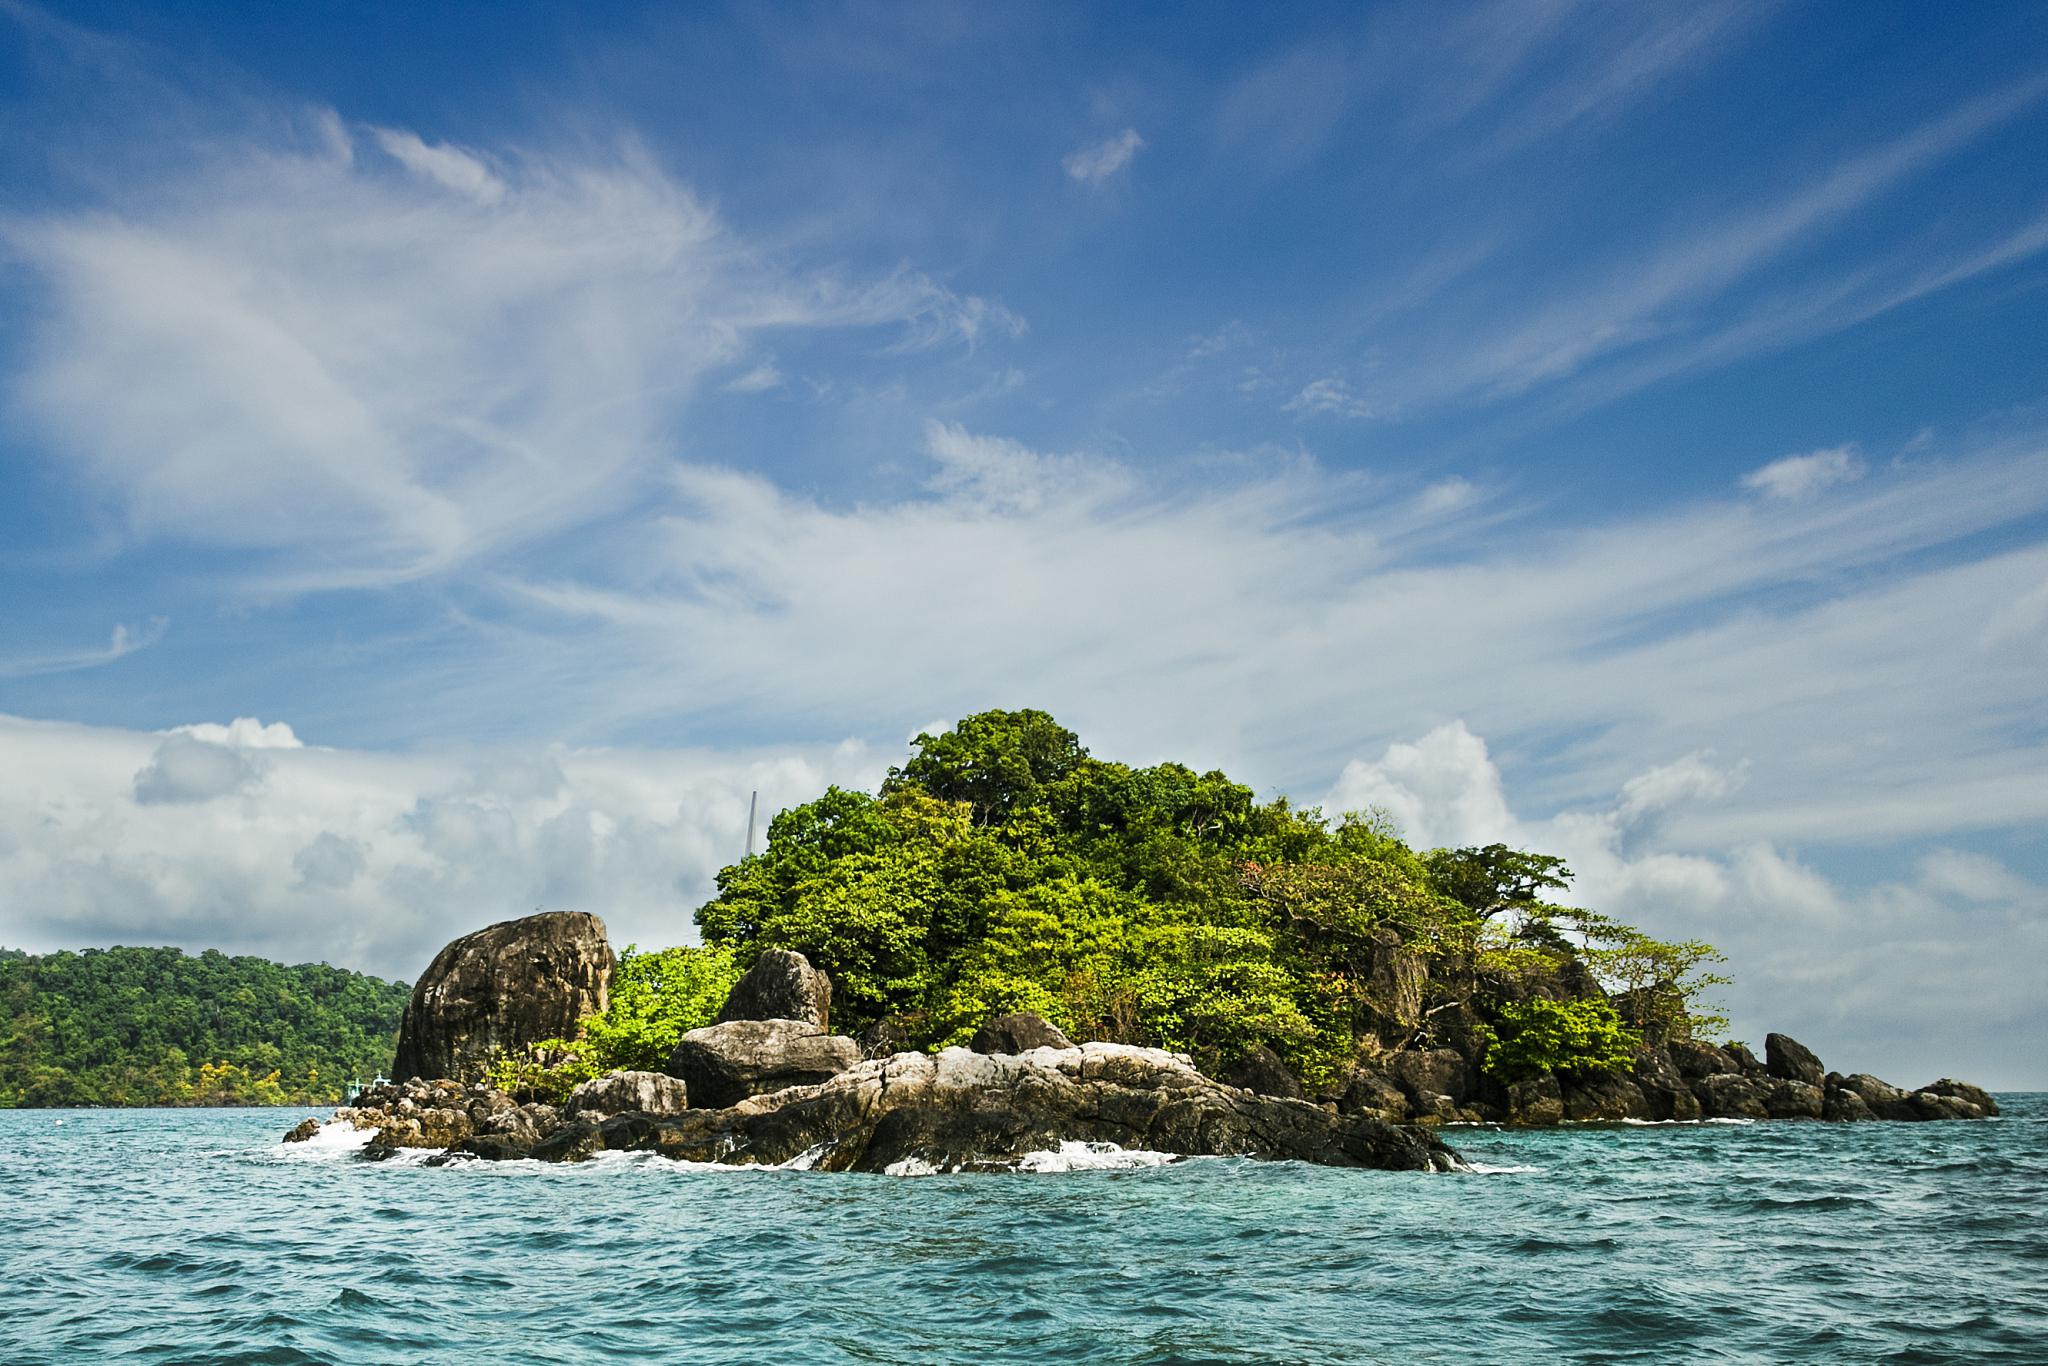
195 1237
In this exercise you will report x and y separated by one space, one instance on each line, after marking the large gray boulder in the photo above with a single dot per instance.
501 989
723 1064
1016 1033
780 986
616 1093
1787 1059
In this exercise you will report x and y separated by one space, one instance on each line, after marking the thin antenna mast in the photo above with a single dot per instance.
752 801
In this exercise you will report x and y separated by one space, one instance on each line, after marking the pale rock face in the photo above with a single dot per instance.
617 1093
723 1064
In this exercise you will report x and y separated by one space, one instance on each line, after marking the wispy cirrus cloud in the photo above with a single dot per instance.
1097 162
125 640
368 359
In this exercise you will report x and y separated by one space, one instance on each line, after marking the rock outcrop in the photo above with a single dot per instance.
723 1064
958 1111
617 1093
1682 1080
501 989
1263 1073
780 986
1016 1033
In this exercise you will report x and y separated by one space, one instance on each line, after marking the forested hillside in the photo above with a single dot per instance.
133 1026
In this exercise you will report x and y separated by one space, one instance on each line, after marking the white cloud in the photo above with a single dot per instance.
363 859
1802 476
124 641
1443 790
244 732
365 373
446 165
758 380
1096 163
185 769
1327 397
1934 976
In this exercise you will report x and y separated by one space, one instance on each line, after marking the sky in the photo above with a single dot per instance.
451 456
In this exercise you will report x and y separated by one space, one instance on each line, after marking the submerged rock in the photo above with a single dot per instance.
723 1064
502 988
781 985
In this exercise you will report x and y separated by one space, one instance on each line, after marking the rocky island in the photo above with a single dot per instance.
1026 947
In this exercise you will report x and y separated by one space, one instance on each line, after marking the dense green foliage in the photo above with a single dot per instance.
1004 868
131 1026
656 998
1540 1035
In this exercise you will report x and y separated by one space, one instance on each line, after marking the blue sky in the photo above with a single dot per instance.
451 456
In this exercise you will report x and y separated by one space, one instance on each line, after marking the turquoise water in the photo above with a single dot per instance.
193 1236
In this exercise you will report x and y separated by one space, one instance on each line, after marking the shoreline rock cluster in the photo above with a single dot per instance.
769 1083
1678 1080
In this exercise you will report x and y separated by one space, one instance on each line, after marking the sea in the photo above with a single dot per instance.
195 1236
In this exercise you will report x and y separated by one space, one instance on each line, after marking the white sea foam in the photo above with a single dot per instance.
1488 1169
336 1139
1092 1157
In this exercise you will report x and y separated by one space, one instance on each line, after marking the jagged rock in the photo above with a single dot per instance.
573 1141
1975 1097
1745 1060
1883 1099
1538 1100
1433 1079
1663 1086
1790 1060
1844 1106
1788 1099
971 1111
1730 1095
1695 1060
780 986
1017 1033
723 1064
303 1130
501 989
1604 1095
617 1092
1261 1071
1370 1093
885 1038
496 1147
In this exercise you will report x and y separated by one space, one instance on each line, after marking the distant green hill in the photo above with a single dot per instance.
129 1026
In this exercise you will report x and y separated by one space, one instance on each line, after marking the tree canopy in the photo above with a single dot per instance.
157 1026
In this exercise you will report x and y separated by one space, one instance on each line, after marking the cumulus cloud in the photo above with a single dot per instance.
1802 476
364 859
184 769
1099 161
